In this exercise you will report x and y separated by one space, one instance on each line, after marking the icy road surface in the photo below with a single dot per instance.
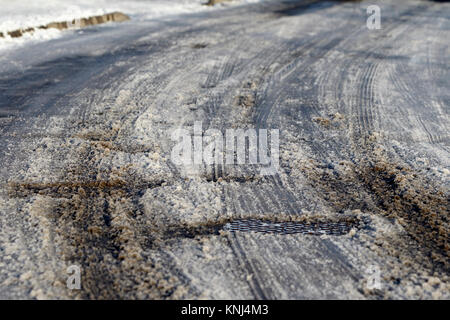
87 178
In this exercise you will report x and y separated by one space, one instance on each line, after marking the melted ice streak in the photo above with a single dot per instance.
264 226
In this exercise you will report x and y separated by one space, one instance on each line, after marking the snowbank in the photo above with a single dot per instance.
22 14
